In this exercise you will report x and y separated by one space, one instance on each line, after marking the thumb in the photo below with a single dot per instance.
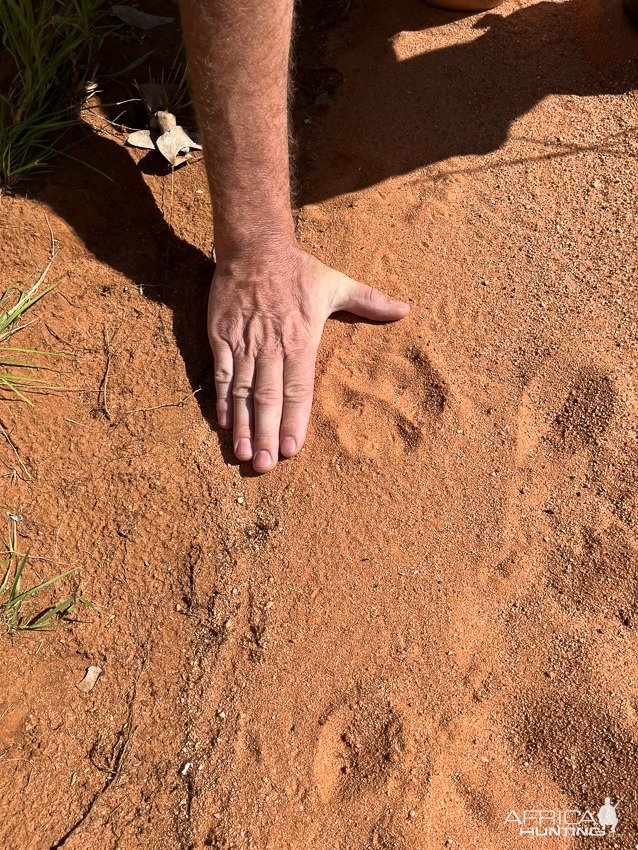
369 303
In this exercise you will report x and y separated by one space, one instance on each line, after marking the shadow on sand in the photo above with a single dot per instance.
395 117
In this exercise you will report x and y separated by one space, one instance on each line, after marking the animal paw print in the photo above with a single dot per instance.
569 415
382 407
576 450
586 412
360 747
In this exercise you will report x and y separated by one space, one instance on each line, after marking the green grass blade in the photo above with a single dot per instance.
45 618
18 600
51 45
92 605
15 584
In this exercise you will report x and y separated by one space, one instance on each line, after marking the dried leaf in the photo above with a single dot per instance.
182 160
174 142
141 139
88 682
140 20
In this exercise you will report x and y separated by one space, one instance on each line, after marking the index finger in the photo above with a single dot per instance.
299 380
223 365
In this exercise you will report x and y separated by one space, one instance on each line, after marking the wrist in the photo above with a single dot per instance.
256 247
252 221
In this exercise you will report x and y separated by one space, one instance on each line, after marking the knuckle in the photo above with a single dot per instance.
266 395
241 390
223 375
296 391
369 293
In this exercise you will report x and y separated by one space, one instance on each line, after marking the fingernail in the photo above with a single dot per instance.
223 419
243 449
288 445
262 460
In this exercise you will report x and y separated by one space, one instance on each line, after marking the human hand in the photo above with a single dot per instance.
265 320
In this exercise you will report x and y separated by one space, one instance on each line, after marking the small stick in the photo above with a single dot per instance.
7 436
179 403
104 385
52 251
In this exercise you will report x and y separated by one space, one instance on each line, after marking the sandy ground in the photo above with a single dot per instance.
427 620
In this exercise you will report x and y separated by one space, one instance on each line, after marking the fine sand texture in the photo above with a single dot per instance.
428 619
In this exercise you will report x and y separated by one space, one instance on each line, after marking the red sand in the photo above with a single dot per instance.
429 618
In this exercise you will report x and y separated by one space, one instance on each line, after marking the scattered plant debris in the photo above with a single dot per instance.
170 139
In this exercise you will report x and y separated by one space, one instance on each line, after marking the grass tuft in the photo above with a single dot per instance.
51 45
15 303
12 597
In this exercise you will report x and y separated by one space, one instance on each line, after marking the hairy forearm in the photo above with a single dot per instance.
269 299
238 55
